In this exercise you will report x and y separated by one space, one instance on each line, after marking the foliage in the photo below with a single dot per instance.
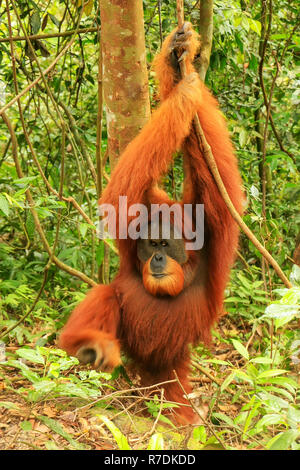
50 382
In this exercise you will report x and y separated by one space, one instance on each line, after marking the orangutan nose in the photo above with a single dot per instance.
158 262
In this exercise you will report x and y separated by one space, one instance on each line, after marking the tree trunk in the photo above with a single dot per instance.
206 36
264 168
296 255
125 78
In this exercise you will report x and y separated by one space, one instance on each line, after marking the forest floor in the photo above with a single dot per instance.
54 421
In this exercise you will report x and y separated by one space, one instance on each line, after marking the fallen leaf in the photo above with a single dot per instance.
49 411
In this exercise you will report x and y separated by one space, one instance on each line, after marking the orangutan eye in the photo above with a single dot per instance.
164 243
152 243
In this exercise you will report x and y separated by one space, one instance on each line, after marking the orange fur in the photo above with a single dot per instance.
156 331
171 284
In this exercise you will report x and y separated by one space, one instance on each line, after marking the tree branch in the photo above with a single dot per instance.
33 37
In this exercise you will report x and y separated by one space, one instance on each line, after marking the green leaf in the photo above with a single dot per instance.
262 360
56 427
54 370
268 420
199 434
227 381
30 225
217 361
4 206
255 26
247 284
25 180
252 371
240 374
283 441
100 253
295 274
253 65
83 229
88 6
44 386
71 389
29 374
164 419
119 437
31 355
281 311
243 137
225 418
293 417
156 442
240 348
271 373
237 21
50 445
35 22
286 382
254 192
26 425
272 401
54 20
251 414
245 23
8 405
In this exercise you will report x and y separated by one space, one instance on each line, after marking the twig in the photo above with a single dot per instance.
265 133
32 37
79 141
243 260
160 23
198 413
149 433
103 271
99 121
139 399
215 380
131 390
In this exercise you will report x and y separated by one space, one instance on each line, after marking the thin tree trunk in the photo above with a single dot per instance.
206 36
296 255
262 129
125 78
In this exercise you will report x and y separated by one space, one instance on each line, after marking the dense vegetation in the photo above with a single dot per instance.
248 379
